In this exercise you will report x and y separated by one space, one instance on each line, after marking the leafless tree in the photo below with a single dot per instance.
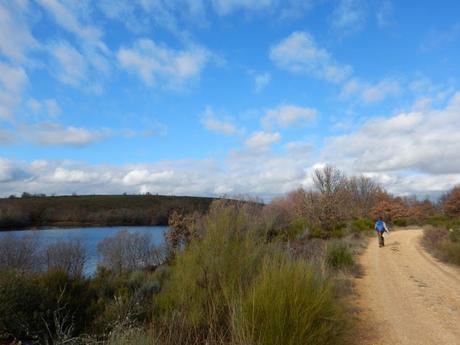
127 251
328 180
69 256
20 253
331 184
362 192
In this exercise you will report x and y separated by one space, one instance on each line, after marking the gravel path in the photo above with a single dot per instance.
406 296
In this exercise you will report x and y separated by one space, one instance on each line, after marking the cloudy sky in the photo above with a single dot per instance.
213 97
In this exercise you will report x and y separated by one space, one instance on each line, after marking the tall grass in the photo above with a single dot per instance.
339 256
232 287
211 273
443 243
289 303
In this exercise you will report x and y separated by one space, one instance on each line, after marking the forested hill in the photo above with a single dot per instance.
95 210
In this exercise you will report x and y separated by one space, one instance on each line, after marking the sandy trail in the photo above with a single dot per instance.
406 296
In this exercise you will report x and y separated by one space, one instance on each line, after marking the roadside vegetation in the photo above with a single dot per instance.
442 234
240 273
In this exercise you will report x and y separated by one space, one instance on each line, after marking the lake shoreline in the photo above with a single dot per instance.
72 225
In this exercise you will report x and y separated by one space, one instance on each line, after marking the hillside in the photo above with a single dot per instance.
95 210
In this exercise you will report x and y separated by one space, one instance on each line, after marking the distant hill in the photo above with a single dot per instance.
94 210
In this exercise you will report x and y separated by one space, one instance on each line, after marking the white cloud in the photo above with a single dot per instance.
262 140
16 39
85 63
384 13
427 141
299 53
381 90
261 81
69 64
142 15
224 7
6 137
298 148
349 16
57 134
49 106
288 115
372 93
439 38
177 15
67 17
158 64
143 176
210 122
12 82
72 175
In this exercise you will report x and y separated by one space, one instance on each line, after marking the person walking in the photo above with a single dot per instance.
381 227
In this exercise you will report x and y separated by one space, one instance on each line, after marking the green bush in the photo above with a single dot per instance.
21 307
401 222
339 256
296 229
210 273
289 303
361 225
67 302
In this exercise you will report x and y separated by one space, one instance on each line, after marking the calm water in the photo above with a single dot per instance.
89 237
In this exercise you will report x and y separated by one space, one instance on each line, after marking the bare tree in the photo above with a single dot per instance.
127 251
363 193
69 256
328 180
331 184
20 253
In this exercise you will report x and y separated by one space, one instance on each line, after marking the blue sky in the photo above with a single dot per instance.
212 97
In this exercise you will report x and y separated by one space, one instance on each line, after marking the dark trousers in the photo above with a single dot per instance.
381 239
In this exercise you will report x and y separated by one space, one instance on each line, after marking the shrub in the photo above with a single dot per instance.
443 243
339 256
69 256
361 225
400 222
289 303
209 274
21 306
67 302
125 251
19 253
296 229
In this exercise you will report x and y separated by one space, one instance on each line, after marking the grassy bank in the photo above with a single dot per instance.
232 280
95 210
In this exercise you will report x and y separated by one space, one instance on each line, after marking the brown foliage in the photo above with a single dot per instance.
451 202
390 209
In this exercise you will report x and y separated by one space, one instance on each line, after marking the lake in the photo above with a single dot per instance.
89 237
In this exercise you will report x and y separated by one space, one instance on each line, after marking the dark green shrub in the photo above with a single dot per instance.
21 307
296 229
339 256
361 225
401 222
67 302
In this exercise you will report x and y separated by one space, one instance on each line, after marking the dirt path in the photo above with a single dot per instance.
406 296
